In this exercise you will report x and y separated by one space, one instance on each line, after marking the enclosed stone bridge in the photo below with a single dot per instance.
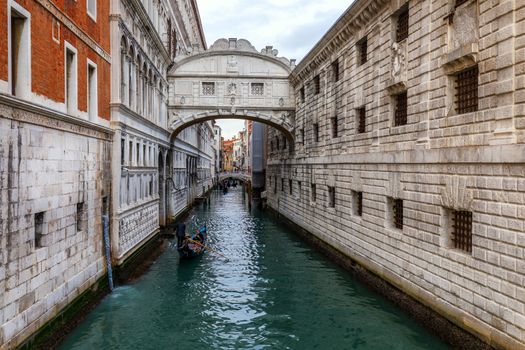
242 176
232 80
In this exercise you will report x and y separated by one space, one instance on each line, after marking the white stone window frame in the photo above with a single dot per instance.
26 70
93 12
92 96
73 109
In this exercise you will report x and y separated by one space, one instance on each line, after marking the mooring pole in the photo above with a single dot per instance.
105 222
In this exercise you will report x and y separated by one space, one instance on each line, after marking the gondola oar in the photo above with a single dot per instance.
208 248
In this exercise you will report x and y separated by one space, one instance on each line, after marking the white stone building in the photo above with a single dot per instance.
154 175
409 154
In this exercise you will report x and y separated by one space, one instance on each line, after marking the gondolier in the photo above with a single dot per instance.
181 233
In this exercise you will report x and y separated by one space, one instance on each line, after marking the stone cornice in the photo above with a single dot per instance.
354 18
134 115
69 24
150 28
53 119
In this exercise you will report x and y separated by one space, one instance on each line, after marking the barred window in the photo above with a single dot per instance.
402 24
331 197
290 184
302 136
361 120
397 210
299 188
271 146
282 184
362 50
208 89
275 184
400 115
277 142
333 121
301 94
313 192
460 2
284 142
358 203
462 230
316 132
257 89
335 71
467 91
317 84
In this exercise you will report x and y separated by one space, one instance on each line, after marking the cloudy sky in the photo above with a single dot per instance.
290 26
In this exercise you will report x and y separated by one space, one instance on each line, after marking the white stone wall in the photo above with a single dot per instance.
439 161
48 164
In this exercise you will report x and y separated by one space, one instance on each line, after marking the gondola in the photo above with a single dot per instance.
195 245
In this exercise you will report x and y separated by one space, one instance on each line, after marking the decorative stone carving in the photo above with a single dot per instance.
232 65
232 89
398 61
455 194
464 27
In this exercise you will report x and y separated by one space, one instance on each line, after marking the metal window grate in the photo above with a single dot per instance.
284 142
333 121
359 203
282 184
462 230
467 91
275 184
302 136
257 89
460 2
361 120
277 142
301 94
316 132
290 184
402 25
400 117
317 84
208 89
313 191
398 213
335 70
362 48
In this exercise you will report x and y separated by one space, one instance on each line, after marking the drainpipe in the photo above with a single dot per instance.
105 221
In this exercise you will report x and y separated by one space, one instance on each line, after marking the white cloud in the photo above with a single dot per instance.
291 26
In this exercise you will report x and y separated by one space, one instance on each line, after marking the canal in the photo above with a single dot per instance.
275 292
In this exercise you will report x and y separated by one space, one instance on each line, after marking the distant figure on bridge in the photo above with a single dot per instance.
181 233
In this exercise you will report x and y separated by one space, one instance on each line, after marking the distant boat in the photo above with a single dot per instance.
195 245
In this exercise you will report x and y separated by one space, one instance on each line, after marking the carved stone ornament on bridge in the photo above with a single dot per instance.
182 100
232 64
232 89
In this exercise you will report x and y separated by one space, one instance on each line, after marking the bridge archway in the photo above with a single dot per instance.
232 80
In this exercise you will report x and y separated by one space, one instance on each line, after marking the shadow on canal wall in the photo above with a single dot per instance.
449 332
53 333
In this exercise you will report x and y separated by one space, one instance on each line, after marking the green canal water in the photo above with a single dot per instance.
274 293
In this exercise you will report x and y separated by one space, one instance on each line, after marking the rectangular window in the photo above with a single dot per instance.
358 203
257 89
302 136
460 2
80 216
467 91
71 81
402 24
92 9
144 154
20 70
362 51
282 184
39 229
331 197
290 184
317 84
122 151
397 213
335 71
138 154
92 97
130 153
333 121
316 132
299 188
275 184
271 146
361 120
313 192
401 105
301 94
462 230
208 89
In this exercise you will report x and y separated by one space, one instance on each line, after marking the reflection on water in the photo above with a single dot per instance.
274 293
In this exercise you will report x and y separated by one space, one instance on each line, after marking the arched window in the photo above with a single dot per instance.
123 70
131 75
